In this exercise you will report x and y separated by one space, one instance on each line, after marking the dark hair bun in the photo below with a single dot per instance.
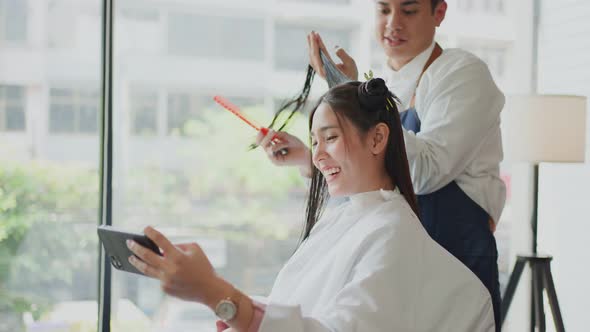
372 94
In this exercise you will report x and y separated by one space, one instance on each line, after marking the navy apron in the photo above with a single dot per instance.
460 225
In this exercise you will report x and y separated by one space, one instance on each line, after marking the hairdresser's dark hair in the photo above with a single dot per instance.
365 105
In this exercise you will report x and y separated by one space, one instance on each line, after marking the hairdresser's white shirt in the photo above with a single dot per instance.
370 266
459 107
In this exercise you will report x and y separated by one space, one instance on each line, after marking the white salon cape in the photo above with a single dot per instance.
459 107
368 266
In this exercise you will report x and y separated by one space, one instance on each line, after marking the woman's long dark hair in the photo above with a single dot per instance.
365 105
292 106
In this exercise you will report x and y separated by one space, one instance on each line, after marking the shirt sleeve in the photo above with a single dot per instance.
462 109
258 308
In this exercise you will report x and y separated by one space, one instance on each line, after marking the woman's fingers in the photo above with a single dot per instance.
150 263
278 148
145 268
185 246
267 139
162 242
145 254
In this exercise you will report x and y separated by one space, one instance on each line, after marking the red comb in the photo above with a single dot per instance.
236 111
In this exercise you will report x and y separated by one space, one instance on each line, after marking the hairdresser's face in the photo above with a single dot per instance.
340 153
405 28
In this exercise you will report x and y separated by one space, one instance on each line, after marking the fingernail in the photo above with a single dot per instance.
129 244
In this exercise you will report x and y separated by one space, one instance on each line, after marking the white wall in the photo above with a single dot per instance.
564 68
563 230
564 50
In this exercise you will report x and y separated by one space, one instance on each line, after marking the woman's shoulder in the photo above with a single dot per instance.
385 236
392 218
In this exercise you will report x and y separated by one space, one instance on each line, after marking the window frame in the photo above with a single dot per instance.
78 98
106 163
5 17
5 102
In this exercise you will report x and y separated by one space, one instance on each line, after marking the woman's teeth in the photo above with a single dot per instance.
332 171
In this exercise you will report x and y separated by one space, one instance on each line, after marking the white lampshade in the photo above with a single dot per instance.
544 128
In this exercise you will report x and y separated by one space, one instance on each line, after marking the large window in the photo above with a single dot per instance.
73 110
335 2
13 20
48 183
186 168
216 37
185 111
12 108
182 108
483 6
290 47
61 18
144 112
181 163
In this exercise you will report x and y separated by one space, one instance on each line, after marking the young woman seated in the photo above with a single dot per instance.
367 265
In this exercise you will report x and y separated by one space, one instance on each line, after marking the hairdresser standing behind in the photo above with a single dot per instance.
451 129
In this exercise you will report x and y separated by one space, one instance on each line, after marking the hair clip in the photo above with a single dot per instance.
390 104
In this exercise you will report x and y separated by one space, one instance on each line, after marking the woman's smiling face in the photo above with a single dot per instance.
340 153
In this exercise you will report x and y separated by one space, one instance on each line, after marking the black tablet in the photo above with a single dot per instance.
115 246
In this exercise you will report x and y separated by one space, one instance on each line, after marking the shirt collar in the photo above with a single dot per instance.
372 198
403 82
412 70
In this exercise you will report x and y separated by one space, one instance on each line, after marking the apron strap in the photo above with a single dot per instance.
436 52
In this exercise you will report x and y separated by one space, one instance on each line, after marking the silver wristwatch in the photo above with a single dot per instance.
226 310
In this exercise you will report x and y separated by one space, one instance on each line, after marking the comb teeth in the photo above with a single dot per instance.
235 110
226 104
229 106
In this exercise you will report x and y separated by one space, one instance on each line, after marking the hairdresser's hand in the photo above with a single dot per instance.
184 271
296 152
315 43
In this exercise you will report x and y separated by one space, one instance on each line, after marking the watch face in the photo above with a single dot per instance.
226 310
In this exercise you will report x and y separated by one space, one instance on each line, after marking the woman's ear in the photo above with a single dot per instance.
379 138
